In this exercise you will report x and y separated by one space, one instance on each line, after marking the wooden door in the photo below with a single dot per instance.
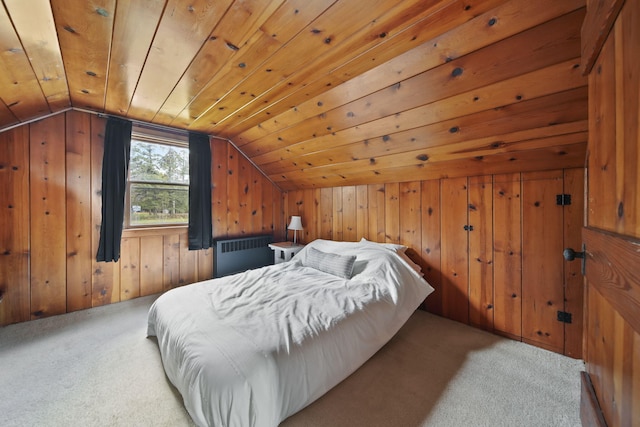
467 250
611 41
542 263
573 220
552 290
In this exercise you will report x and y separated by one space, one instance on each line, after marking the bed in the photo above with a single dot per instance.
253 348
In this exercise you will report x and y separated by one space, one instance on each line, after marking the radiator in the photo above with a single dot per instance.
237 255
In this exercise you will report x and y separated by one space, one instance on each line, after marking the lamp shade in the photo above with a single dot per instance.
296 223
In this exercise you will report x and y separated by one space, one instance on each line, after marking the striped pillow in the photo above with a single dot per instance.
338 265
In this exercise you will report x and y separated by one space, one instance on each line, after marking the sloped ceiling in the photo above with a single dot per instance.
321 92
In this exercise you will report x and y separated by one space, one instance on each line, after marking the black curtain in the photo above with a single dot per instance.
200 225
115 164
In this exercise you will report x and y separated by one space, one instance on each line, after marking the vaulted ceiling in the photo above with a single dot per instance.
316 93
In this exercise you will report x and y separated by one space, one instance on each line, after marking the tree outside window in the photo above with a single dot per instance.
158 186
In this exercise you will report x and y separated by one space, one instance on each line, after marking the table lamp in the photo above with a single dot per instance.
295 225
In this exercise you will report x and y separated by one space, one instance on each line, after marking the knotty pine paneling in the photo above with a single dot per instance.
480 217
547 44
129 268
50 176
219 177
602 109
612 355
362 142
612 335
245 207
349 218
171 261
188 262
308 208
392 212
338 229
234 188
542 264
78 204
411 214
362 211
135 22
376 199
507 254
237 199
429 257
47 178
479 276
338 31
34 22
151 261
14 230
325 214
319 94
454 255
21 91
85 30
574 216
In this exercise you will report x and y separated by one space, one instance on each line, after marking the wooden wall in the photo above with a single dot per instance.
507 275
50 178
611 43
244 201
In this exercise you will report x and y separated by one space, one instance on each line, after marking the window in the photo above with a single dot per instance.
158 185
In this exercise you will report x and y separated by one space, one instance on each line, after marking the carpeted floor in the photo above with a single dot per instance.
97 368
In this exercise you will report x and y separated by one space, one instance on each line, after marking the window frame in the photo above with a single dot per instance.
159 137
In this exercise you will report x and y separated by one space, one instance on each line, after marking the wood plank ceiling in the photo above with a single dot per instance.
316 93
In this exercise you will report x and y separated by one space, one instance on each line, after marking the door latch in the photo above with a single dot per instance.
570 255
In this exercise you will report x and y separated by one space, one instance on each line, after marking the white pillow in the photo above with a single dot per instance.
338 265
400 250
393 246
412 264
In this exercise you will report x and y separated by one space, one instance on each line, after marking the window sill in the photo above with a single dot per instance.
154 231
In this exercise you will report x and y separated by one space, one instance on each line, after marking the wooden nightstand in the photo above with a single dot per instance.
284 251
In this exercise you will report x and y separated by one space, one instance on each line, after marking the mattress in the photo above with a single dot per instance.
253 348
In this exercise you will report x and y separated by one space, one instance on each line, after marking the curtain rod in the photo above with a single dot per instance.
136 122
35 119
99 114
142 124
181 131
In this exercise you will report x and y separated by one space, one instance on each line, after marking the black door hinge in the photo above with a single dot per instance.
468 227
563 199
564 317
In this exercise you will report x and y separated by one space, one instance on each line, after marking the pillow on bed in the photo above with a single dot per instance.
393 246
412 264
338 265
400 250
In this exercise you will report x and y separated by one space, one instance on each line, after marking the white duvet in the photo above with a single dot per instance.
254 348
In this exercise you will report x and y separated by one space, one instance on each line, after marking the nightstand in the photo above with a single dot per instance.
284 251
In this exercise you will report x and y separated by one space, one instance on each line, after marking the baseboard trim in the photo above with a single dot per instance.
590 413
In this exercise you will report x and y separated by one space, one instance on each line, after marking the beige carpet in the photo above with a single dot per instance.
96 368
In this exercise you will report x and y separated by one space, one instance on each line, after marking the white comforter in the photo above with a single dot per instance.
254 348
